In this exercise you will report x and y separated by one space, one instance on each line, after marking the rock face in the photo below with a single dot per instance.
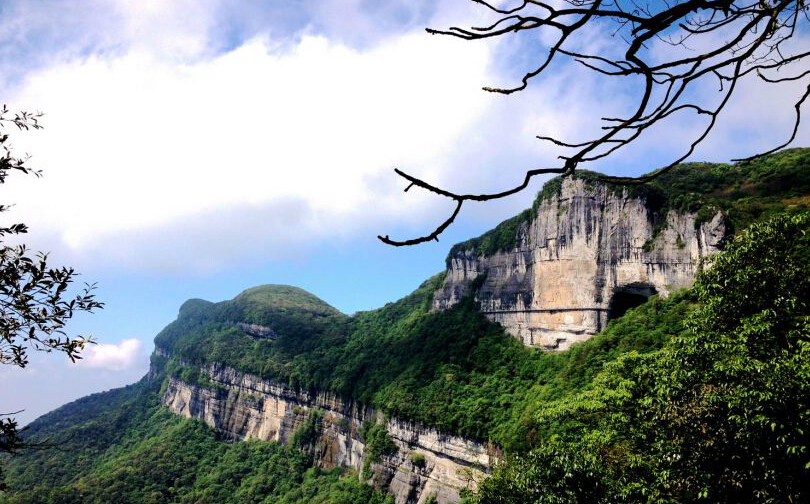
257 331
426 464
587 254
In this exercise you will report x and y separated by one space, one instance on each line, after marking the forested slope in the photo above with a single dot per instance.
721 413
700 397
122 446
453 368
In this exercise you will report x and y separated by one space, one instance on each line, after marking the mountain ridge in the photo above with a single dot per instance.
588 249
451 371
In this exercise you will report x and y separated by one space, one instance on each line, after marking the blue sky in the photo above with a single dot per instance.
195 149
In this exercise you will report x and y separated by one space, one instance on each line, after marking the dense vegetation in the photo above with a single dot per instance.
455 368
720 414
122 447
700 397
378 443
745 193
452 369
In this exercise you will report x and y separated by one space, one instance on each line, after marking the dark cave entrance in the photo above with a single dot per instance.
627 297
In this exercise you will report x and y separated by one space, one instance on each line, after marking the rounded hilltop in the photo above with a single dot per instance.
286 312
284 297
274 297
194 305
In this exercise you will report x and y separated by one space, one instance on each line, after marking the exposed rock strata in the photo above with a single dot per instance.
242 406
257 331
582 247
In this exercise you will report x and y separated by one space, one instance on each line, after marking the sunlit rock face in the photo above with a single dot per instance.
589 253
243 406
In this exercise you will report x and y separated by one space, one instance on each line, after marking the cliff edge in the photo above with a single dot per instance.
584 254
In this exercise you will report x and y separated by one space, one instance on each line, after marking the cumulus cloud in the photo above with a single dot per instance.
181 147
133 142
113 357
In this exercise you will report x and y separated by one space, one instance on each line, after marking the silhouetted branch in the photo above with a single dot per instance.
737 38
459 199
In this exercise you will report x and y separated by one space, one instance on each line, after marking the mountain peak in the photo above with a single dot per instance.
277 296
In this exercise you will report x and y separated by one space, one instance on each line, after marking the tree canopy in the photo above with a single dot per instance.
720 414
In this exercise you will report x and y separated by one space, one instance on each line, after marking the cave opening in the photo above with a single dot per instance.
628 297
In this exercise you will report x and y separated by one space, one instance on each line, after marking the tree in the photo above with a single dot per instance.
720 414
738 39
34 300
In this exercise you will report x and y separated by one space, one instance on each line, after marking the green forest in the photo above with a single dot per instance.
702 396
122 446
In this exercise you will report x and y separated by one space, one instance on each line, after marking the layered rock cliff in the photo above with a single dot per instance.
426 463
585 253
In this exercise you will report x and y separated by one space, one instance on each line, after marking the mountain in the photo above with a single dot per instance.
586 251
422 398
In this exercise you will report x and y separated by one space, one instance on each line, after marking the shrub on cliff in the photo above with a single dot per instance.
378 443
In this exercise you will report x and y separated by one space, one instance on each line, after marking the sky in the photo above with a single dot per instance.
195 149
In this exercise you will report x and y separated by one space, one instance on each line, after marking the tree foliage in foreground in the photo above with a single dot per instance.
34 302
720 414
34 299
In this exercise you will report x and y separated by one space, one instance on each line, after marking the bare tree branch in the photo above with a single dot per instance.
737 39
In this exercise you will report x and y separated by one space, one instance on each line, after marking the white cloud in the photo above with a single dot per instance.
112 357
134 142
159 154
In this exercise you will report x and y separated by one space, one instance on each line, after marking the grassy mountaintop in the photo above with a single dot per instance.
203 328
283 298
745 192
262 303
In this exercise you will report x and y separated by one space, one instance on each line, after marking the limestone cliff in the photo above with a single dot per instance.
585 251
426 464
